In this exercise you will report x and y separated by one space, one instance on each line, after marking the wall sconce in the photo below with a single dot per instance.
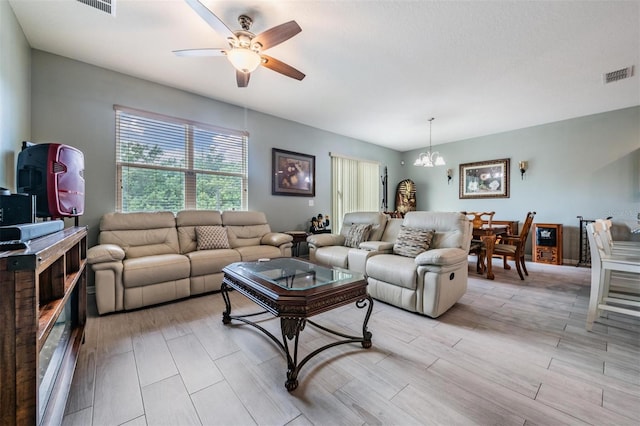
524 165
449 176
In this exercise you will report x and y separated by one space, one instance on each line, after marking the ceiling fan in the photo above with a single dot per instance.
245 48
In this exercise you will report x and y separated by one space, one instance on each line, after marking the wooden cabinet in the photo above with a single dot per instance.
547 243
42 318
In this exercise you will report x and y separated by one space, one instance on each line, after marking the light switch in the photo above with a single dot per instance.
310 203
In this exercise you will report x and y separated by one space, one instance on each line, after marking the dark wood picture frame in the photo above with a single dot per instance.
485 179
293 173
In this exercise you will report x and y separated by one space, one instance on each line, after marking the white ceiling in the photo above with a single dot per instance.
376 70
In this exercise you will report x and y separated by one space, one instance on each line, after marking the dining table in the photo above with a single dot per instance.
488 236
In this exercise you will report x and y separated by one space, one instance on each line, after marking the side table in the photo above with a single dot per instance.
298 237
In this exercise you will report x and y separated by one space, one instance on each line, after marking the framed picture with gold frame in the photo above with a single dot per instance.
485 179
293 173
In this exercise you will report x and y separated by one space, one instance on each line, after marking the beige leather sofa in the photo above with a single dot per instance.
147 258
428 283
433 281
333 250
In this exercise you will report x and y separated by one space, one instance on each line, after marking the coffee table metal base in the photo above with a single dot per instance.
291 328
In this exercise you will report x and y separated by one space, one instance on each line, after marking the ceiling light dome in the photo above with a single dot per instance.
243 59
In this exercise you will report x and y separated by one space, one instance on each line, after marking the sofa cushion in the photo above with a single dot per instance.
452 228
357 234
206 262
155 269
389 268
212 237
412 241
187 220
140 234
377 221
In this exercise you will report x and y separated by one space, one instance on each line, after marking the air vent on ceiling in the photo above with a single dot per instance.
616 75
107 6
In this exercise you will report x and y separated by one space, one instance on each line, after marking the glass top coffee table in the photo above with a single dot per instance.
294 290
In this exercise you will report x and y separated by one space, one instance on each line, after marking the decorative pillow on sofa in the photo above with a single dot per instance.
212 237
357 234
412 241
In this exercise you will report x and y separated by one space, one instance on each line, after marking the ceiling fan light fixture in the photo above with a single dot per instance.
244 60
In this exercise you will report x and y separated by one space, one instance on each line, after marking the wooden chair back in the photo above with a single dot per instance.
477 218
524 232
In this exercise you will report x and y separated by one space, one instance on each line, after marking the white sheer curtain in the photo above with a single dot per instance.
355 186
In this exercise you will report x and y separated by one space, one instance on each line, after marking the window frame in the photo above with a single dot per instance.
189 170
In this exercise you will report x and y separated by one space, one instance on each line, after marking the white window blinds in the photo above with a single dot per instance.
166 163
355 187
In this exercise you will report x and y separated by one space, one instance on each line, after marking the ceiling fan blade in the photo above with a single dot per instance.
277 34
242 78
201 52
211 19
281 67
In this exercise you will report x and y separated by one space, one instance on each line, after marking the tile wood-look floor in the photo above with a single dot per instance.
511 352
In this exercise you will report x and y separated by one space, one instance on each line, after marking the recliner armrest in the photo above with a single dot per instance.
276 239
381 246
323 240
105 253
443 256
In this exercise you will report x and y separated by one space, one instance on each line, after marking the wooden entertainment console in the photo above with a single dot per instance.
42 316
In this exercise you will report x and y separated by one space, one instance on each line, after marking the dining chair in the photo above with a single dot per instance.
478 218
623 281
512 246
477 248
604 296
617 246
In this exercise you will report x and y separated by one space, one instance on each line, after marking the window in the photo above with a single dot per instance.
355 187
170 164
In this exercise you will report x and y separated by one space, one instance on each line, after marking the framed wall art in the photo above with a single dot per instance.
293 173
485 179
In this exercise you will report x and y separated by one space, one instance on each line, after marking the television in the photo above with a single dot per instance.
54 173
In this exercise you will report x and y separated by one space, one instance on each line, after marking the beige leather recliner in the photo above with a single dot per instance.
330 249
433 281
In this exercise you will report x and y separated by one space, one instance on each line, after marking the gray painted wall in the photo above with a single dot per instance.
15 95
587 166
72 103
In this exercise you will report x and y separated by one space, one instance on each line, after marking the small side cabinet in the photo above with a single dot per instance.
547 243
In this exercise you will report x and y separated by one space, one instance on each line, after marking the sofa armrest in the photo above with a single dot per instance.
379 246
443 256
276 239
323 240
105 253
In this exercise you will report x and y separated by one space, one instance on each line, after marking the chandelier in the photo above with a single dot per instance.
429 158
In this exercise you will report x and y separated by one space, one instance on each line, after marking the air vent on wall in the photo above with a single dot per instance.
107 6
616 75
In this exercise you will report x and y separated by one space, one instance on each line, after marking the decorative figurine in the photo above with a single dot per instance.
320 224
406 196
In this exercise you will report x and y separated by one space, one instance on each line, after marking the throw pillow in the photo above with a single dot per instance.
357 234
412 241
212 237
